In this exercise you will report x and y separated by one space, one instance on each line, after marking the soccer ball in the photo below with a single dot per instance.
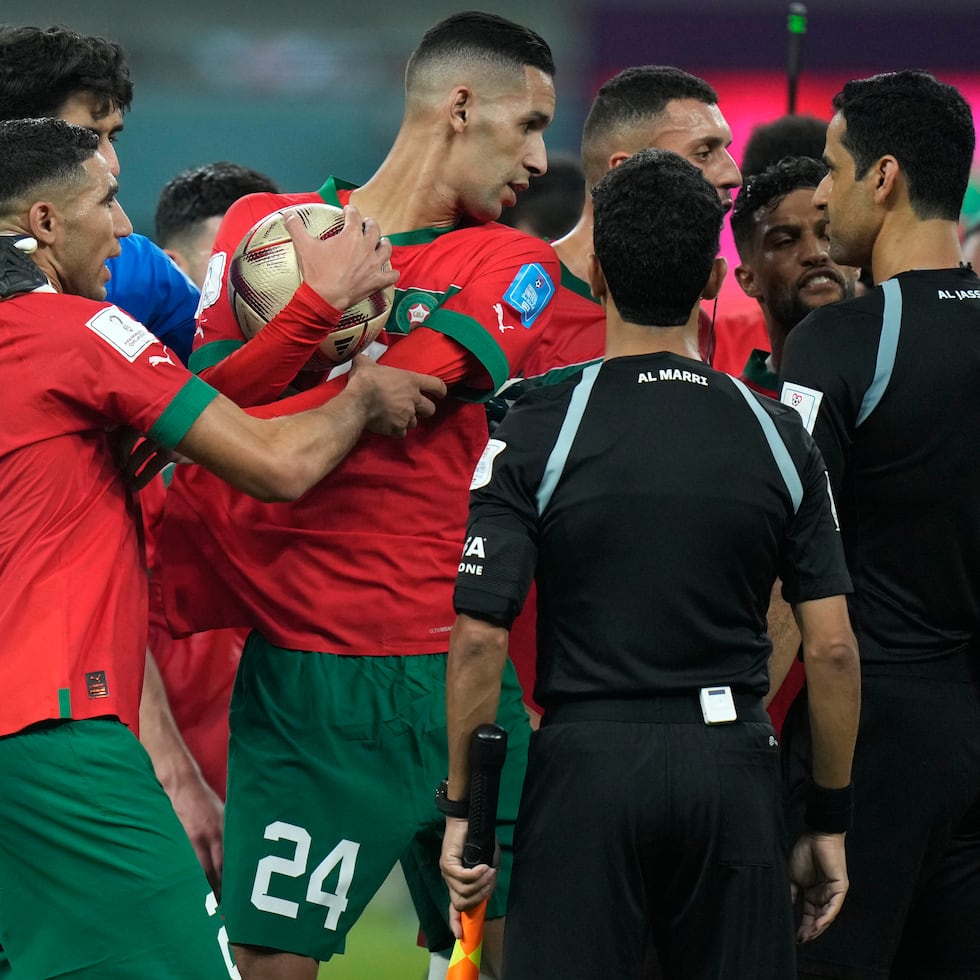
263 275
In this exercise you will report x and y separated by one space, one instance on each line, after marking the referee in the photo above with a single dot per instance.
655 501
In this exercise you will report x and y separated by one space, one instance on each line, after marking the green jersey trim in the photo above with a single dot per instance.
571 281
64 702
213 353
418 236
469 334
182 412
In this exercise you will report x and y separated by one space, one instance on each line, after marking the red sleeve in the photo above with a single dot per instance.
259 371
422 351
102 360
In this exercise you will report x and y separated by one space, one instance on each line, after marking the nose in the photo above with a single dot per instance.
815 249
122 227
822 193
536 161
108 150
729 176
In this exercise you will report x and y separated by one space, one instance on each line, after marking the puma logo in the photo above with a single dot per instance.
156 359
499 310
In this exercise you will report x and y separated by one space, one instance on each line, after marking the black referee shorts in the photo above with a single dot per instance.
913 856
628 827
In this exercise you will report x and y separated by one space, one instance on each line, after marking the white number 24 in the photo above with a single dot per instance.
344 855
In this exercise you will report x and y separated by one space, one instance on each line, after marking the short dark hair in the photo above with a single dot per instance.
765 192
787 136
472 34
553 203
922 122
194 195
35 153
656 233
40 70
633 97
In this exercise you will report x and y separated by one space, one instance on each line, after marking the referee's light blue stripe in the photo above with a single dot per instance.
566 436
787 468
891 324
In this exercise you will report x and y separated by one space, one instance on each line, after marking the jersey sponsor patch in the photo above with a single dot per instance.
120 331
530 292
805 400
484 468
211 289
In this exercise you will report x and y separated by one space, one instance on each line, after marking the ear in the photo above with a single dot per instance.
44 219
745 277
719 270
460 103
887 173
617 158
597 279
178 259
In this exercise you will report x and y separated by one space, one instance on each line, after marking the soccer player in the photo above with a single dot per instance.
191 206
652 796
338 715
99 880
888 382
781 237
85 80
651 105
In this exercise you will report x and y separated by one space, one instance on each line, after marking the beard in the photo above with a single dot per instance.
789 307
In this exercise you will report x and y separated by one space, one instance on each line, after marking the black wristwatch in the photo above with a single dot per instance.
451 808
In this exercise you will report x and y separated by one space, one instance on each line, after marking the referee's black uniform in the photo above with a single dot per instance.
892 381
656 501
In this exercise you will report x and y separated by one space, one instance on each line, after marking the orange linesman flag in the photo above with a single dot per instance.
465 961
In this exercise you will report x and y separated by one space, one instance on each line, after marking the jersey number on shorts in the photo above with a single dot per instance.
344 855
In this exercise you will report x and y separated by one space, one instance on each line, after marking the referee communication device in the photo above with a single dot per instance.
488 749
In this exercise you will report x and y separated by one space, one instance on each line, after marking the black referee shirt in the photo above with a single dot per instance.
655 500
892 382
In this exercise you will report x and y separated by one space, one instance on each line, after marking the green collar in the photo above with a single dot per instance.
418 236
757 371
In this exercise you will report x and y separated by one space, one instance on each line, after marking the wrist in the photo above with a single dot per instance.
457 809
828 811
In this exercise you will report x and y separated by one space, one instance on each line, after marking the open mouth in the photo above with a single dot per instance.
822 279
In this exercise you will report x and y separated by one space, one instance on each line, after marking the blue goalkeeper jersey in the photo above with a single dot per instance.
153 290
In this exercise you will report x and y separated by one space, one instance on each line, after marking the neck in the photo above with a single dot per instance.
576 247
625 339
777 339
410 189
905 243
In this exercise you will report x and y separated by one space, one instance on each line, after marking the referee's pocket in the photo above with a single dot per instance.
753 826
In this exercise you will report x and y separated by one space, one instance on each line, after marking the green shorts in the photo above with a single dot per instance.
332 769
97 877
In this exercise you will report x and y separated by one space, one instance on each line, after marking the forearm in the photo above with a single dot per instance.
477 652
172 761
278 458
260 371
834 698
785 637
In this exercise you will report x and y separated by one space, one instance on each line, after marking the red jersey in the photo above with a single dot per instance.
365 562
198 671
72 583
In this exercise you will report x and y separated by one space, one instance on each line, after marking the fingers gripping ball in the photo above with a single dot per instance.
264 274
